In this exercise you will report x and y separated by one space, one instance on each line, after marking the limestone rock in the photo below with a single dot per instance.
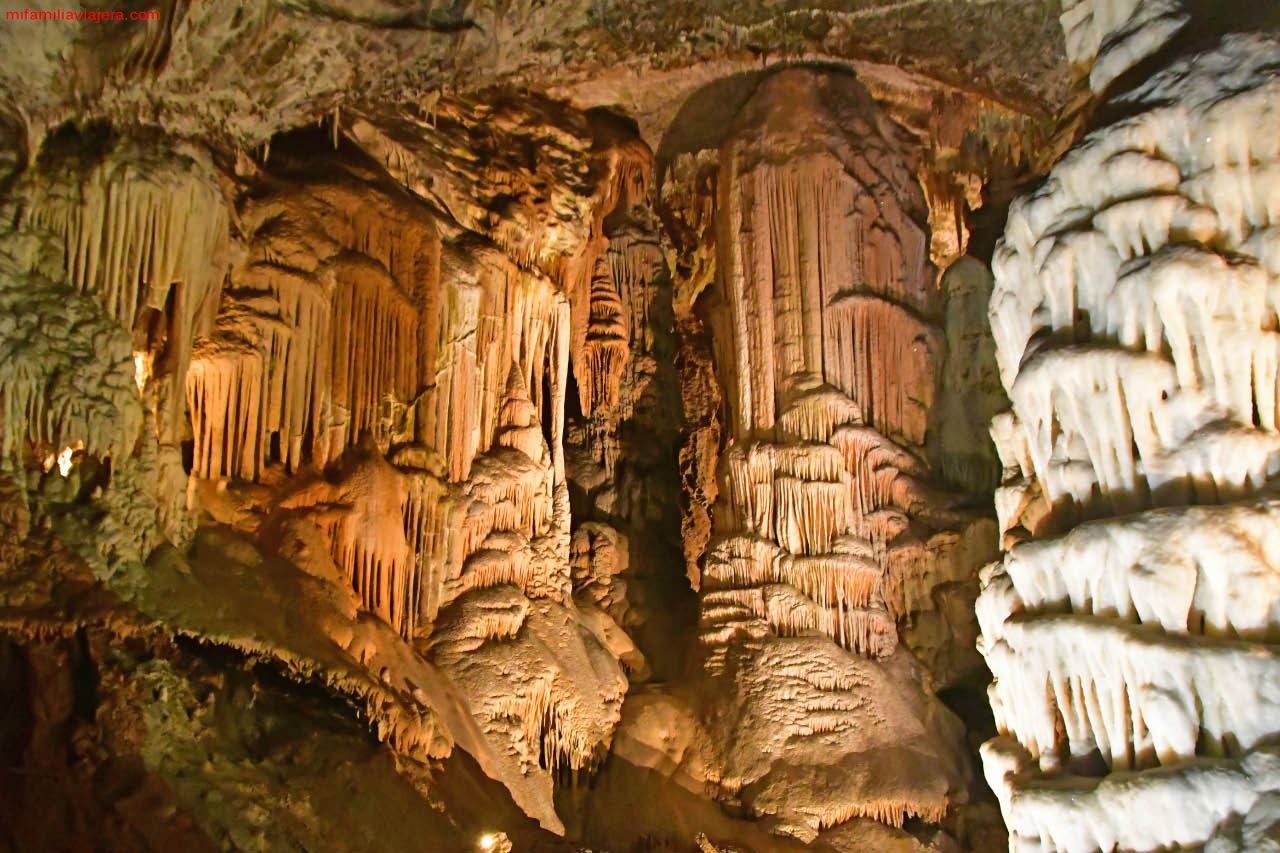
1134 328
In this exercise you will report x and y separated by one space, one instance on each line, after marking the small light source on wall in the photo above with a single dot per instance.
495 842
64 461
141 369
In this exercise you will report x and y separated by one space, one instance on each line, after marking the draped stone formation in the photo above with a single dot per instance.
827 531
1131 625
376 401
401 375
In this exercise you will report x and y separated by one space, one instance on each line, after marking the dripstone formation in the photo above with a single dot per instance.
634 428
1130 625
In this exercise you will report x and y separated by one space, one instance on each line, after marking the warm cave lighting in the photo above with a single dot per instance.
62 459
141 369
489 841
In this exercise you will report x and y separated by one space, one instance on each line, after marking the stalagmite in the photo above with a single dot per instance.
537 689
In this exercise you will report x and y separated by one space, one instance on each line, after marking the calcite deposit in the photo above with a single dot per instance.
1130 626
617 426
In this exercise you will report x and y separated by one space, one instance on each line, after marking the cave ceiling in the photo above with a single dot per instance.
234 73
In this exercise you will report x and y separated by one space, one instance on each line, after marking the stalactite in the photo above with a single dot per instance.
608 341
374 348
133 229
815 412
339 285
797 495
476 526
809 514
264 372
817 255
434 534
509 513
872 474
145 232
886 360
1141 701
600 296
892 812
516 488
497 318
224 396
949 196
635 259
298 363
363 517
501 559
832 579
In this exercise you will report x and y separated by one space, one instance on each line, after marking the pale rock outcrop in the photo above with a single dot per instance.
1135 323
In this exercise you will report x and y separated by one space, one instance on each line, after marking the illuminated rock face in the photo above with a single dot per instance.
1131 625
613 444
829 529
374 401
394 406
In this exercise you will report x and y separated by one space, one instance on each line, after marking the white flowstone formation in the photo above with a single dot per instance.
1134 315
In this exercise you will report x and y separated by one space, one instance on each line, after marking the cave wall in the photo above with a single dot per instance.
414 412
557 447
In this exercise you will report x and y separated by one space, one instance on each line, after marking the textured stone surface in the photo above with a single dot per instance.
1135 330
469 425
